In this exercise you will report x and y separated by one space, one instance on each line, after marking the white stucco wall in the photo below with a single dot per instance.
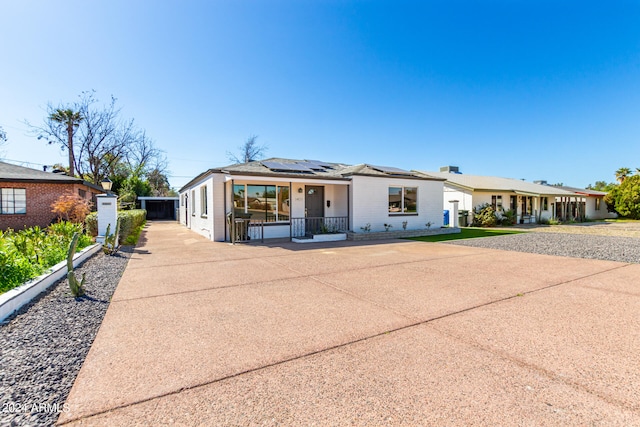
602 213
195 220
370 203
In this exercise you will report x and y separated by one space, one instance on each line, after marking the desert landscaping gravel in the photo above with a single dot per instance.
43 346
609 248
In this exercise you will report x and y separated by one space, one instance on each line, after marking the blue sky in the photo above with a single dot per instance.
529 90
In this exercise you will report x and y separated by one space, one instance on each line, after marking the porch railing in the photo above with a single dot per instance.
318 225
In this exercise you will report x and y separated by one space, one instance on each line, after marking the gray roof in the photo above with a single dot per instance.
494 183
336 171
583 191
14 173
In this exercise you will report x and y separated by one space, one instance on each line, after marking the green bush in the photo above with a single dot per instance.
28 253
129 221
91 224
484 216
509 217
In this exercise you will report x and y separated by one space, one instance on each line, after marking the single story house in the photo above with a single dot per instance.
530 201
588 204
26 195
285 198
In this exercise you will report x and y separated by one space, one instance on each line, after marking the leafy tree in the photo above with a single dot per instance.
71 207
626 197
66 121
601 186
249 151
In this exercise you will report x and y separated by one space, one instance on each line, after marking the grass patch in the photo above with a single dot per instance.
621 220
466 233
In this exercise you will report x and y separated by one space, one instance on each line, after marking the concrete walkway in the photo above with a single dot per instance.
384 333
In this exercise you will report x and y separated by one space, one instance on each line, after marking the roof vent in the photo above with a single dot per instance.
541 182
450 169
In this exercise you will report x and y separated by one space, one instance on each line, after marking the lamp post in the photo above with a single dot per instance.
107 209
106 184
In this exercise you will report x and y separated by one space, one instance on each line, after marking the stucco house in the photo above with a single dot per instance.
286 198
530 201
26 195
587 203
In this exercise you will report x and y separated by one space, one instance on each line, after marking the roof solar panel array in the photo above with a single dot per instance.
391 170
290 167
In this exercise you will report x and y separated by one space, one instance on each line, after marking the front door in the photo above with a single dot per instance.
314 208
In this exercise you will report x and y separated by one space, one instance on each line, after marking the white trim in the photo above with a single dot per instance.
297 180
15 298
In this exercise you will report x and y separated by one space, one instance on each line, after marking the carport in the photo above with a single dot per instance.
160 207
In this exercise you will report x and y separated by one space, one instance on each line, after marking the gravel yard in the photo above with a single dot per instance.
590 246
43 346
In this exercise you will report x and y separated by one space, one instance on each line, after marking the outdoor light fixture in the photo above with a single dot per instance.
106 184
299 189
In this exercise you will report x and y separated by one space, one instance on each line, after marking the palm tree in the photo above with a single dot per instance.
71 119
622 174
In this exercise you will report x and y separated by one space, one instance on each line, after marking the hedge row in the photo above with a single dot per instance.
129 221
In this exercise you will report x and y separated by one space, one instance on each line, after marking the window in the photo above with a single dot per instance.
496 203
598 201
13 201
403 200
545 203
269 203
204 206
193 202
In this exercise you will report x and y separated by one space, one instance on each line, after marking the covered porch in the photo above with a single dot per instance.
258 208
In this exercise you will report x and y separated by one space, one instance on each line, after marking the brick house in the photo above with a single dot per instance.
26 195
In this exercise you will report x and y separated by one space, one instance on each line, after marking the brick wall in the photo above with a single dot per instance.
40 197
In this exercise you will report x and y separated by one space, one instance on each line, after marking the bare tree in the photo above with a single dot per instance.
103 140
3 139
66 121
249 151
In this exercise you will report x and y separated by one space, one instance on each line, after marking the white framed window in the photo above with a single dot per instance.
403 200
204 206
193 202
598 203
13 201
545 203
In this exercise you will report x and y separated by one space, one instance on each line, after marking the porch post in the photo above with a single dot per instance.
454 212
232 225
290 212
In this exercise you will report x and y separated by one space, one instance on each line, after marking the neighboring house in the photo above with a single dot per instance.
530 201
26 195
589 204
291 198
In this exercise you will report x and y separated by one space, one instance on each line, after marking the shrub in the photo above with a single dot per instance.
509 217
28 253
129 222
71 207
484 216
91 224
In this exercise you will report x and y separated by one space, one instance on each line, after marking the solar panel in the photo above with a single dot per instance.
321 164
391 170
289 167
312 165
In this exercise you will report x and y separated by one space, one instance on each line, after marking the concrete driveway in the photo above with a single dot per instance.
385 333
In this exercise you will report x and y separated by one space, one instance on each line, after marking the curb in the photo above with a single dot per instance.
15 298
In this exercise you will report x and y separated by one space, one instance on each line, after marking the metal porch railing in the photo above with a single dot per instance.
318 225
